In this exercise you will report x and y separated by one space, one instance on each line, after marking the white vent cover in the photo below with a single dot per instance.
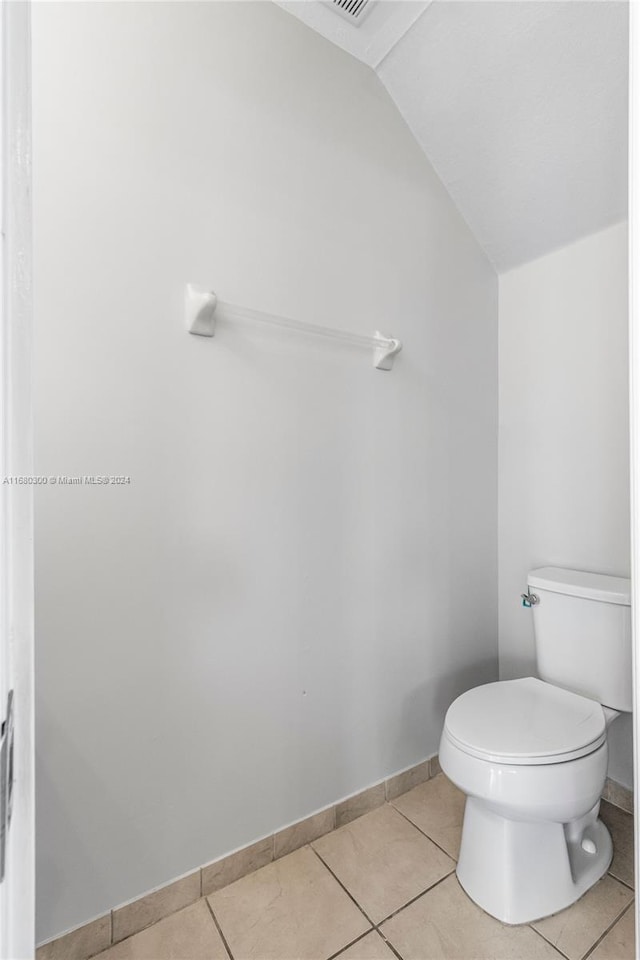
352 10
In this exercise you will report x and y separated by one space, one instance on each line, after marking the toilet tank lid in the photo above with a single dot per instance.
579 583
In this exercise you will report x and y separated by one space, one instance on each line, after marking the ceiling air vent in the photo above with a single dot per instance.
352 10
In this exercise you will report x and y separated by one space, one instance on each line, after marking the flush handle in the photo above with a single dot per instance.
529 599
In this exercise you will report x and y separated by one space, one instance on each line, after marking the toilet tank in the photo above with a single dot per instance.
582 625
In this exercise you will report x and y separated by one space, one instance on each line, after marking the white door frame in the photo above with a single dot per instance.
17 891
634 386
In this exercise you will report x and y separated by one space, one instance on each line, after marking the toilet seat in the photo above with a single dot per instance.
526 722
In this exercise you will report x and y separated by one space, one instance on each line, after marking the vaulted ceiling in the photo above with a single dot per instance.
521 107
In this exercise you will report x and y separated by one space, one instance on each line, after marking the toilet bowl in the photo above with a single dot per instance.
532 759
531 754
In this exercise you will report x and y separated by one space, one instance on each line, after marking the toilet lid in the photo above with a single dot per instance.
525 721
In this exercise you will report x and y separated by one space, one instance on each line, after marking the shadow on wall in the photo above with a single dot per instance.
620 741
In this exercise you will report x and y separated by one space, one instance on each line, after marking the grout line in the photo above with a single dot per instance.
218 928
413 899
623 882
402 773
600 939
111 927
542 937
337 879
394 912
434 842
350 944
389 944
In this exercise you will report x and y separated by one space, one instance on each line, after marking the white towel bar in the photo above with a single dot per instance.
201 307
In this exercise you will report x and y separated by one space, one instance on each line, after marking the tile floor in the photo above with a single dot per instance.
384 887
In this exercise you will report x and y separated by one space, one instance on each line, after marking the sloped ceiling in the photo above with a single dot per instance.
521 107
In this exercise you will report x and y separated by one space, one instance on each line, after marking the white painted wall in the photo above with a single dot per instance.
302 574
564 441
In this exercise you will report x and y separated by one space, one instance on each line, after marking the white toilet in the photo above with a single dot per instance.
531 754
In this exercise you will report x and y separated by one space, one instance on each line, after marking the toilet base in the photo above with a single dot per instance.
519 871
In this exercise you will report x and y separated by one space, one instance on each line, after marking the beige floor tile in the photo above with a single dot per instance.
371 947
292 909
620 942
445 925
437 807
620 826
383 861
575 930
189 934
